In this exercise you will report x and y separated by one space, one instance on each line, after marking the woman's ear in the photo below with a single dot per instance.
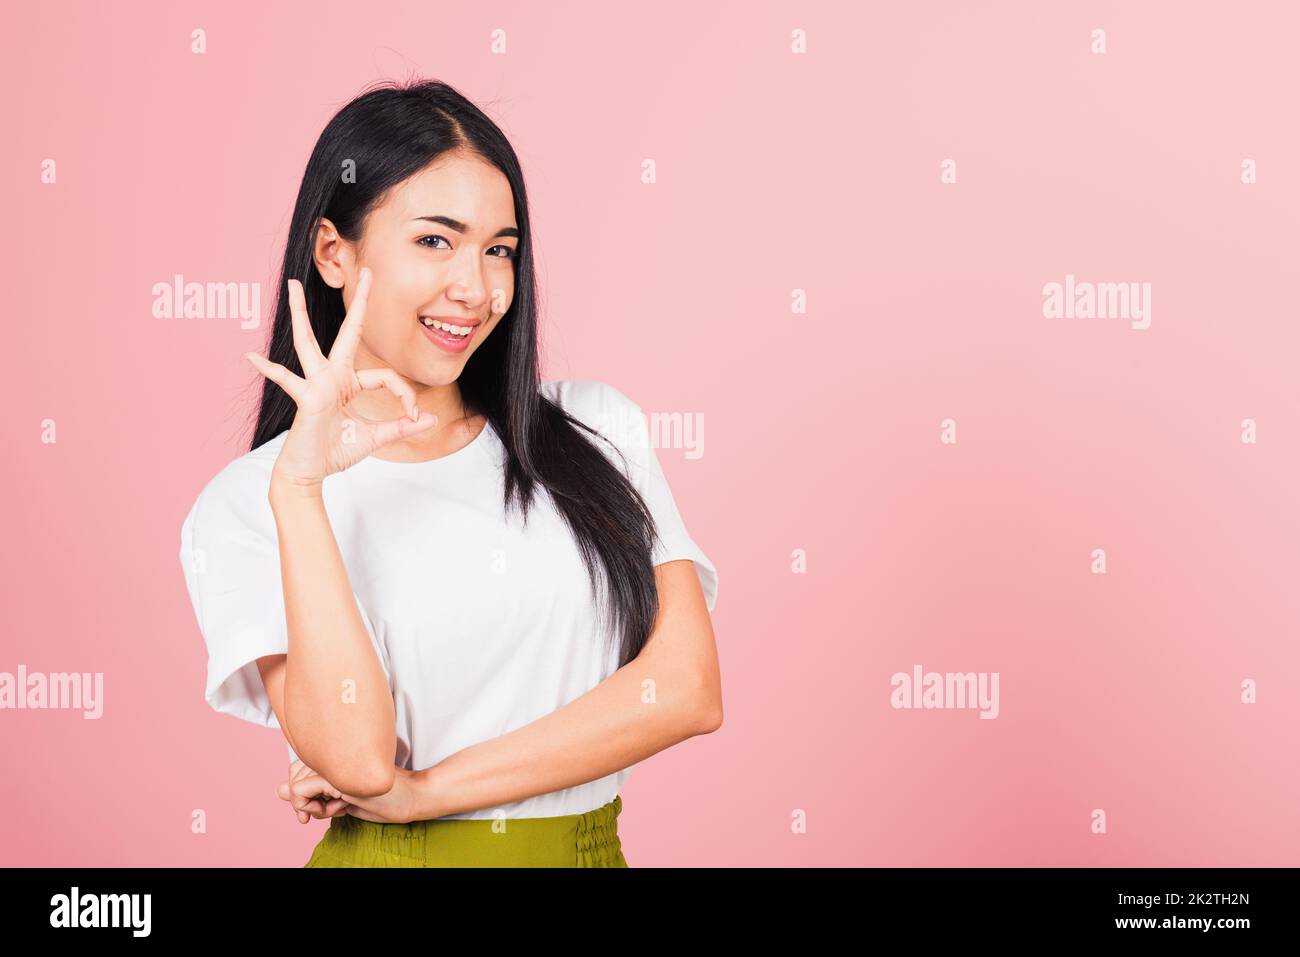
332 255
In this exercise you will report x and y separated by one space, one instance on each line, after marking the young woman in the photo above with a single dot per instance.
465 596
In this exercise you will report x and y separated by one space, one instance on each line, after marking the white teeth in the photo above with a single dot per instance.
455 330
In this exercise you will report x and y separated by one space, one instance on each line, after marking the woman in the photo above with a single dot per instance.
465 596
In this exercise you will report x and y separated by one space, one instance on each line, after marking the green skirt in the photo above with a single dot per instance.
570 840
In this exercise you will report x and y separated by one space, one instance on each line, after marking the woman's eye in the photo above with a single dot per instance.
508 254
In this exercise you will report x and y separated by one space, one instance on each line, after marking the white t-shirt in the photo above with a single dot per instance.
482 626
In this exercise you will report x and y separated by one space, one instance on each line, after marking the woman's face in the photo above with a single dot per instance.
441 247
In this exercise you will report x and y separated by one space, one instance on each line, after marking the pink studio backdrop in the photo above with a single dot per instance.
777 171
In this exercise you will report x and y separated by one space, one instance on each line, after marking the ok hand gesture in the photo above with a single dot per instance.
325 437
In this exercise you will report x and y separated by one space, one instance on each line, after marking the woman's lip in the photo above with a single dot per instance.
444 342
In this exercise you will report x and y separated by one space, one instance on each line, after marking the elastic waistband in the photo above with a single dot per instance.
587 838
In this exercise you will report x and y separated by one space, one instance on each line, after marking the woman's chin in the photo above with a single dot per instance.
441 372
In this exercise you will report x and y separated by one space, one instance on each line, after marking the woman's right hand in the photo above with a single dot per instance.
325 437
319 801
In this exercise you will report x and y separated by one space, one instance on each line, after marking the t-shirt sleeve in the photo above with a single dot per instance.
624 423
230 557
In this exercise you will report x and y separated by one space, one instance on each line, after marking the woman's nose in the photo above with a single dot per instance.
469 283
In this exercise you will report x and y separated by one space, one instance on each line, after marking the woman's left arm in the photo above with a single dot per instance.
670 692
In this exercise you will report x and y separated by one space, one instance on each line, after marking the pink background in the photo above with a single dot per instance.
776 172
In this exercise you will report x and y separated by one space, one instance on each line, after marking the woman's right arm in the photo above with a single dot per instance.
329 693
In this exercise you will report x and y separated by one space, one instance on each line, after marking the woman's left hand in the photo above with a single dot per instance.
306 789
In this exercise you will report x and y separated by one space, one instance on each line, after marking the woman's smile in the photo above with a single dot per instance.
447 333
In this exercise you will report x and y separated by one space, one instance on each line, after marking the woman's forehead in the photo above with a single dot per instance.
469 191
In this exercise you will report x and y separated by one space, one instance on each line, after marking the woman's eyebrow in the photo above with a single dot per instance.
461 227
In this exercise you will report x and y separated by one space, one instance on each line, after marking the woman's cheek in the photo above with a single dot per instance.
501 299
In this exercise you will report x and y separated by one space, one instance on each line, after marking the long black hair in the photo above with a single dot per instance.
390 132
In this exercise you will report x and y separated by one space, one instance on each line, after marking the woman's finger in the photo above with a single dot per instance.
312 810
304 807
333 808
284 792
286 380
311 786
395 429
308 789
394 383
323 806
345 343
320 812
304 340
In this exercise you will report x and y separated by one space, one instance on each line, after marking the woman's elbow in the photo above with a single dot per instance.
713 718
375 775
708 710
371 783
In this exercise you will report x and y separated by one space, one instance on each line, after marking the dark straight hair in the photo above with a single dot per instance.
390 132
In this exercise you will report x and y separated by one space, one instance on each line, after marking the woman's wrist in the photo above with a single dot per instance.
432 795
286 490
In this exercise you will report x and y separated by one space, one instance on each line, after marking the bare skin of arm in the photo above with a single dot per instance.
670 692
354 735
